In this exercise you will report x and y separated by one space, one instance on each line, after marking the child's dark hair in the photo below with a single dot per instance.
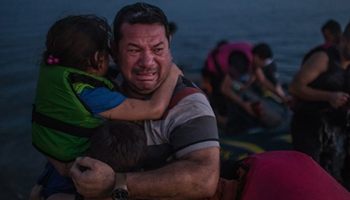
74 40
239 63
120 144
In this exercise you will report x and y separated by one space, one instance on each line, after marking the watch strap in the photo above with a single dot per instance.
120 181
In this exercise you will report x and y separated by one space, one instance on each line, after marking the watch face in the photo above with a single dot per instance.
120 194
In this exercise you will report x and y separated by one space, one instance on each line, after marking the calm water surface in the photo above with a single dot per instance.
290 27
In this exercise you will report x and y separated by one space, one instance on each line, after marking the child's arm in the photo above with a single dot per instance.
134 109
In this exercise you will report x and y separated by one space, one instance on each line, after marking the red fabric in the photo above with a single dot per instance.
224 53
289 175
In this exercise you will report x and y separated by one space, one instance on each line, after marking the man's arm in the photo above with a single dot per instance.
312 68
268 84
193 176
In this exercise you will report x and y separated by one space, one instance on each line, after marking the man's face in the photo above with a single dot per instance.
144 56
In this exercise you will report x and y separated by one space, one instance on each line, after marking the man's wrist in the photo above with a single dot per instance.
120 181
120 191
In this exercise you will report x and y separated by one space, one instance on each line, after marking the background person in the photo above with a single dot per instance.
320 122
331 32
265 70
215 70
244 108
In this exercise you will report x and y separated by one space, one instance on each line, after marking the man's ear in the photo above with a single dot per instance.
170 39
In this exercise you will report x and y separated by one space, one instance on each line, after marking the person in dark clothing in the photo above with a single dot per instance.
320 125
265 70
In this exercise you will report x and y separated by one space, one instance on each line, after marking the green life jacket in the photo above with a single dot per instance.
61 123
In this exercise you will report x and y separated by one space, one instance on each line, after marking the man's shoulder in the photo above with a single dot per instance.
188 100
184 89
184 83
320 50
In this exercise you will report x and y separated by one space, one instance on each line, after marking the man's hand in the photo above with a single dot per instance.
338 99
92 178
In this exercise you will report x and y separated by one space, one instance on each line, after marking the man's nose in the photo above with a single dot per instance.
147 59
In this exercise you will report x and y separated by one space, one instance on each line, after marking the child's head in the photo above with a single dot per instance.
120 144
80 41
239 64
262 55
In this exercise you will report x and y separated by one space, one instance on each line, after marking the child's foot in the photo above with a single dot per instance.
35 194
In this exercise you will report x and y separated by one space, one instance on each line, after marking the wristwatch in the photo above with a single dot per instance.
120 191
120 194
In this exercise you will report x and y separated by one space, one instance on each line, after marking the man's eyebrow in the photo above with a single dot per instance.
159 44
137 46
133 45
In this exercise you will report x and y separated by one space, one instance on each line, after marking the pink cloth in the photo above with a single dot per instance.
224 53
289 175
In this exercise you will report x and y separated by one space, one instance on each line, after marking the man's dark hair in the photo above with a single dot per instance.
120 144
172 28
333 27
262 50
139 13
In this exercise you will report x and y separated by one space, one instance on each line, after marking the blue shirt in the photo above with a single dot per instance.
101 99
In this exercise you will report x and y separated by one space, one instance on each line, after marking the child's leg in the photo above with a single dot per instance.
53 183
61 196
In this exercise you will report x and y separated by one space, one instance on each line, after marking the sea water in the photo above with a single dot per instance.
290 27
